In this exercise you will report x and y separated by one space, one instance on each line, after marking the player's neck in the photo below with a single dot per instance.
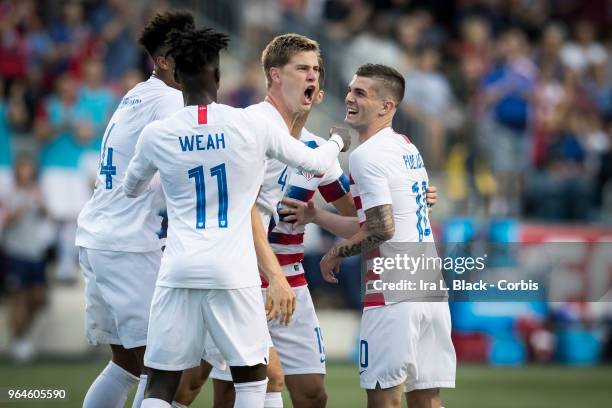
298 125
164 76
373 128
289 117
198 98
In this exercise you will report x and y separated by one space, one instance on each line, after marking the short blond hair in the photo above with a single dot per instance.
282 48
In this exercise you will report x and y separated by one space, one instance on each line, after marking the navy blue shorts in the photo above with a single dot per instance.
22 274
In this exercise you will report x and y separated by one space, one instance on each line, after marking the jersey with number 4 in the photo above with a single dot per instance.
211 164
388 169
110 220
286 239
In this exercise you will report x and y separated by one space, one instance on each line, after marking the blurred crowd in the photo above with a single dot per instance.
510 100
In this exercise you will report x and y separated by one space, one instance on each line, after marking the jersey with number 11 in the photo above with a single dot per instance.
211 161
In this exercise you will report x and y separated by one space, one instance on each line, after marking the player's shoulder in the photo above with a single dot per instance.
266 112
261 107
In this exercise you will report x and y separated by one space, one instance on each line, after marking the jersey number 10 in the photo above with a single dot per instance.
197 173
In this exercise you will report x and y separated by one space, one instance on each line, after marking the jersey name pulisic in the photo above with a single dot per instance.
388 169
211 165
287 241
110 220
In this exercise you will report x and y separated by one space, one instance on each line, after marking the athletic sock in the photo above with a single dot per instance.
250 394
273 400
110 389
154 403
139 396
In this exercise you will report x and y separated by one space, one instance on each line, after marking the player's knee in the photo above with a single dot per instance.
126 359
188 391
314 397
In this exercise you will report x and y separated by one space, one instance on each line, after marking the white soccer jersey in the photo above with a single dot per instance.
388 169
211 164
110 220
287 241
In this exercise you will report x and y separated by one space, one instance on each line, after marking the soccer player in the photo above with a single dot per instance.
119 249
405 346
210 158
294 75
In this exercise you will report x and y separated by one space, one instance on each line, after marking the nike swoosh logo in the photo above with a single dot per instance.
361 372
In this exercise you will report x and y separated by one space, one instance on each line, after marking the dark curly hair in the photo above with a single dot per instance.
153 36
194 50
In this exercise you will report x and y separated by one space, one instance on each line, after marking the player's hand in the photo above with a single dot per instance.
344 134
297 212
431 196
280 301
330 266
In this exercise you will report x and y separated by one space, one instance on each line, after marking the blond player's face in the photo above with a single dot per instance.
299 81
362 102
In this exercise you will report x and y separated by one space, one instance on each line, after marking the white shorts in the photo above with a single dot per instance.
119 288
184 322
407 343
299 344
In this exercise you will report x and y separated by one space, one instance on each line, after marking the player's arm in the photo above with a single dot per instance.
379 227
141 170
301 213
294 153
345 206
281 297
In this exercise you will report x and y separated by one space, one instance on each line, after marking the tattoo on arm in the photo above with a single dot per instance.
380 228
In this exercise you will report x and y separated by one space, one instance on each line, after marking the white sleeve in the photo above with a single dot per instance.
141 169
284 147
371 180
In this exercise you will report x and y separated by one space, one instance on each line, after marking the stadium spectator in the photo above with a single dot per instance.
344 18
72 39
62 141
427 101
94 106
116 25
25 248
507 98
579 54
377 37
562 190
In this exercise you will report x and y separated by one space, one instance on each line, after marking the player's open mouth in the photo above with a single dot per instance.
351 112
309 93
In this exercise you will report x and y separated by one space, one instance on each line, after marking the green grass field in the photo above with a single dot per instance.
477 386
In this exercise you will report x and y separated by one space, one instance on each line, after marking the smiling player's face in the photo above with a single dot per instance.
362 102
300 81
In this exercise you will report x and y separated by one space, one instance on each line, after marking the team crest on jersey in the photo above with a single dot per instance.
308 176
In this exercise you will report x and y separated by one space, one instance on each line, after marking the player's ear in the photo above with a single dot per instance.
162 62
275 74
319 98
387 107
